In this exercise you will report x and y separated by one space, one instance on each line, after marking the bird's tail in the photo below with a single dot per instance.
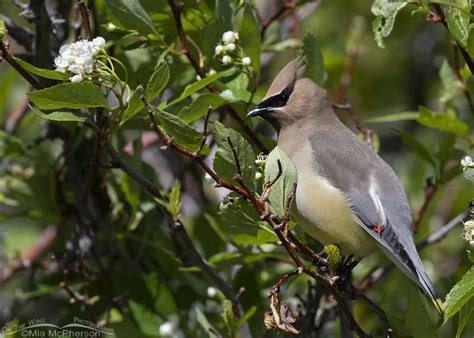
427 287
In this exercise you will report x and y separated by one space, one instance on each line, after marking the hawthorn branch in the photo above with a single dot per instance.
85 19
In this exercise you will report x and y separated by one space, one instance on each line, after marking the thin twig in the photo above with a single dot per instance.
7 55
430 190
85 19
443 231
204 132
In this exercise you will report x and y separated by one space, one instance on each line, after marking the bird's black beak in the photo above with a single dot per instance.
257 112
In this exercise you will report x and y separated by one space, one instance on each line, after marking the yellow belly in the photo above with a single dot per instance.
323 212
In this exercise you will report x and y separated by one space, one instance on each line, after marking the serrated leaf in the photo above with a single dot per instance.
182 133
313 58
158 81
458 24
224 161
334 256
442 122
69 95
459 295
46 73
135 105
130 15
194 87
452 85
281 189
61 116
200 105
385 11
249 35
402 116
241 222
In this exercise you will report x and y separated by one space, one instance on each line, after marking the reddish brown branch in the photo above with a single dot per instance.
7 55
430 191
85 19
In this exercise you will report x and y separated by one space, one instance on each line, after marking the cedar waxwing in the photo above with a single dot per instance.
346 194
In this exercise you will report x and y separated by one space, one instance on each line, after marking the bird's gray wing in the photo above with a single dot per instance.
376 196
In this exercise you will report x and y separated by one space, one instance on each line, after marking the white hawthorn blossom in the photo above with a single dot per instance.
219 49
468 232
77 58
466 161
226 59
230 47
211 292
246 61
229 37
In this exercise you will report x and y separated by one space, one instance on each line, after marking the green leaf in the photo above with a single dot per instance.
402 116
175 199
416 147
148 322
246 316
334 256
228 316
158 81
458 24
417 318
385 11
192 88
61 116
470 44
130 14
135 105
69 95
200 106
249 35
3 29
314 59
46 73
452 85
182 133
459 295
465 313
442 122
224 161
281 189
223 12
241 222
204 322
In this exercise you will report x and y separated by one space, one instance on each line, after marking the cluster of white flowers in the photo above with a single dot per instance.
230 50
467 165
77 58
468 232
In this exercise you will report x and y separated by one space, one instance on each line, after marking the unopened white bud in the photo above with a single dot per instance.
226 59
246 61
211 292
231 47
229 37
219 49
466 161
